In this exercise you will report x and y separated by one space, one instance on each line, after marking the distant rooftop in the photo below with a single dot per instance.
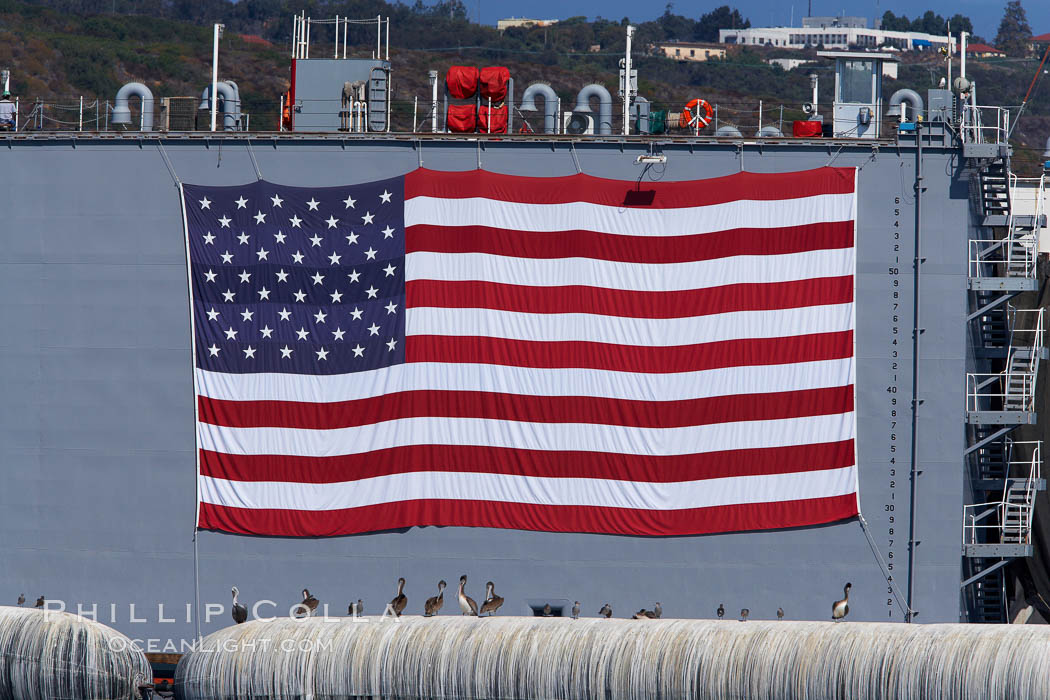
824 22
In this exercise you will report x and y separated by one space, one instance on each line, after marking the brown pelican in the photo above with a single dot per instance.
21 598
240 611
780 613
547 610
434 603
466 603
400 600
307 606
606 611
492 601
840 608
39 602
743 614
721 611
576 610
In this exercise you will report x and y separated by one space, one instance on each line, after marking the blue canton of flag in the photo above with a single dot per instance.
297 280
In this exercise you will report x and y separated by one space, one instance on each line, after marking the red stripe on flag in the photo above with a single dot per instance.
630 249
521 462
622 193
630 358
622 521
530 409
628 303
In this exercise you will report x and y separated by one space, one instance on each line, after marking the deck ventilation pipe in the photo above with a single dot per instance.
908 97
46 654
230 106
640 111
550 105
121 110
583 104
728 132
454 657
769 132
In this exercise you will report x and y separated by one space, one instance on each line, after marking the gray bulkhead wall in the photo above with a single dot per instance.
96 434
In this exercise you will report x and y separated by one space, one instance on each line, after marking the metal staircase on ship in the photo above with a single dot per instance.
1008 347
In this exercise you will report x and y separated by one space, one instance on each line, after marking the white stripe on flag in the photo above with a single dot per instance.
526 381
484 432
641 332
637 277
629 221
545 491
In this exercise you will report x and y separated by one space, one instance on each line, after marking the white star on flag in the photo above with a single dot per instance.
286 352
247 315
320 316
279 237
388 232
337 296
391 345
349 202
231 334
302 333
316 240
228 295
318 278
331 221
243 238
249 353
205 203
371 291
260 218
389 270
241 202
282 276
335 257
358 351
351 239
373 329
312 204
300 296
322 354
356 314
210 276
390 307
285 314
213 315
385 197
297 257
296 221
225 221
370 254
245 276
227 257
338 333
264 294
266 331
276 199
208 238
213 351
262 253
367 218
354 276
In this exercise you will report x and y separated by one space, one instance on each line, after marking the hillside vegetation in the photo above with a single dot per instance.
62 49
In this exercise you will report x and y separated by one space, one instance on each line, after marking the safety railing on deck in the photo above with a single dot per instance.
1027 329
985 124
1014 255
1000 391
1008 520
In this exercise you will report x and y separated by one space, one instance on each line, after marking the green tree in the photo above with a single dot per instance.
1015 35
893 23
960 23
719 18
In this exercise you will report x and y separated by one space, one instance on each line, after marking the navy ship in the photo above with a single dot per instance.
99 508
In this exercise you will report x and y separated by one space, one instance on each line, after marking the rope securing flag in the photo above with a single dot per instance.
565 354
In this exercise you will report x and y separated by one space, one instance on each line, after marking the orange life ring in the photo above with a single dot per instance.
696 112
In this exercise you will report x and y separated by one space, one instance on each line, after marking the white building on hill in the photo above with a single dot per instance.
833 35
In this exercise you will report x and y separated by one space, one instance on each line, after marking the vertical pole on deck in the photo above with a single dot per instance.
80 125
627 83
915 350
217 32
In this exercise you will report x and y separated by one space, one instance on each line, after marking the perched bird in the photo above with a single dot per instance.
743 614
547 610
721 611
492 601
21 598
434 603
658 610
466 603
307 606
606 611
39 602
400 600
780 613
643 614
240 611
576 610
355 609
840 608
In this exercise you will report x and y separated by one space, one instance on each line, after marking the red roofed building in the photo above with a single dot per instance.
983 51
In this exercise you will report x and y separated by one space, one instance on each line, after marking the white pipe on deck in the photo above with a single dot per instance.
534 657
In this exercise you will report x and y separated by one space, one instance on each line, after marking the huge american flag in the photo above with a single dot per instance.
562 354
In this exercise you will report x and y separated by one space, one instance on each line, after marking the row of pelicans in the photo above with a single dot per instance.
492 603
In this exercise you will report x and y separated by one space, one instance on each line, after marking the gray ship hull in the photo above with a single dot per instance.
97 432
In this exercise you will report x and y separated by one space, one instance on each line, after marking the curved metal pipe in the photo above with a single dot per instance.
1046 153
121 110
583 104
913 99
229 104
236 102
640 110
550 105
